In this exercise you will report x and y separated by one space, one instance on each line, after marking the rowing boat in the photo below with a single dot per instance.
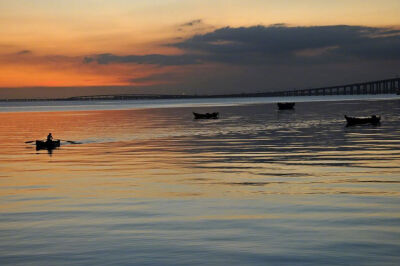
363 120
52 144
285 106
206 115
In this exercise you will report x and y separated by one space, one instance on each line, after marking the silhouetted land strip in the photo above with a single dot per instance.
387 86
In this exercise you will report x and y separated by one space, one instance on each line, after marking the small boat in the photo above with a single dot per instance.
373 119
41 144
286 106
206 115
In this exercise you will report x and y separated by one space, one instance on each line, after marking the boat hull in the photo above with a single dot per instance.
40 144
286 106
374 120
206 115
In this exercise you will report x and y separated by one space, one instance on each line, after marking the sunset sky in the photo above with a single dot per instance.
54 48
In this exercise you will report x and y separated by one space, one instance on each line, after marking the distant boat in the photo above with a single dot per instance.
286 106
373 119
41 144
206 115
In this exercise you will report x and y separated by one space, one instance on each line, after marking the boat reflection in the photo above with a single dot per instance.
49 149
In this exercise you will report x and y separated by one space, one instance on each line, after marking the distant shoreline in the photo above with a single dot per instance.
139 97
156 97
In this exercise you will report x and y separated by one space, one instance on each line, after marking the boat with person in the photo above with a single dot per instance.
214 115
47 144
286 106
373 119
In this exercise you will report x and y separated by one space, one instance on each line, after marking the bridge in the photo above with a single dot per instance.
386 86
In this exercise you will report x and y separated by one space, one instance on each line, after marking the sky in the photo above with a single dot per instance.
64 48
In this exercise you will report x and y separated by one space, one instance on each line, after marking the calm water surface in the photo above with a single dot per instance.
153 186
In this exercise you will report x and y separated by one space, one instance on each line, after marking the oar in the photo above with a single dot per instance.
70 141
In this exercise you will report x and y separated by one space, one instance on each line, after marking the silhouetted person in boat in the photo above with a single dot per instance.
49 138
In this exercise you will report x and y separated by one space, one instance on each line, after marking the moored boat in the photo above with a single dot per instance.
52 144
214 115
286 106
373 119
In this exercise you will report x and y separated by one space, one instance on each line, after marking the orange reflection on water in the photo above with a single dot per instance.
164 153
251 180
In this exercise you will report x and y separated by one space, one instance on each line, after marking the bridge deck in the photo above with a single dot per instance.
387 86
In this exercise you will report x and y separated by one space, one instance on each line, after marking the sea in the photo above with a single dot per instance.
143 183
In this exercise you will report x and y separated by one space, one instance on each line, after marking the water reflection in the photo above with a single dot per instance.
49 150
267 185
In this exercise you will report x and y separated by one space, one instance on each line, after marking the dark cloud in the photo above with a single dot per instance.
152 59
88 59
195 25
278 25
274 44
23 52
280 43
166 77
191 23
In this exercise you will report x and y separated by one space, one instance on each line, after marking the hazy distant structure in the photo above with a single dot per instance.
387 86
